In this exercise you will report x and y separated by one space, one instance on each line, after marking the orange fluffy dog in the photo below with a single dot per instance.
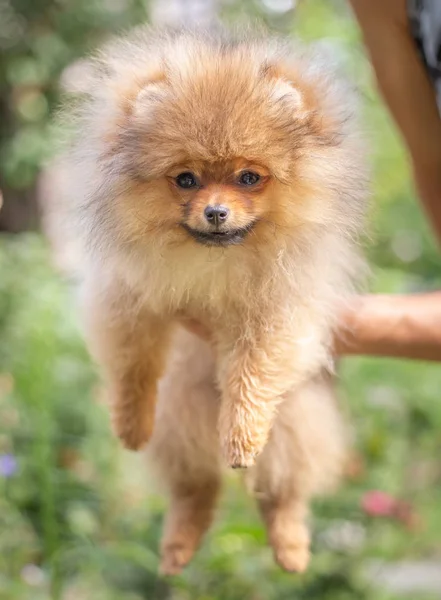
219 178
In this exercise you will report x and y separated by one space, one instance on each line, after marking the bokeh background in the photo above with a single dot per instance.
79 517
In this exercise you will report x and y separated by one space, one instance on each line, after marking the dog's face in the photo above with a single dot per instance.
221 202
219 149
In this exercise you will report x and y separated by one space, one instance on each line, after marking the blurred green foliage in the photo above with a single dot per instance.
38 40
79 517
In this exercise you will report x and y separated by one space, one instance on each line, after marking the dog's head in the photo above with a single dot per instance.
220 143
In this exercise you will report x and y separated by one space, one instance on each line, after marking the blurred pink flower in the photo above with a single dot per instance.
381 504
378 504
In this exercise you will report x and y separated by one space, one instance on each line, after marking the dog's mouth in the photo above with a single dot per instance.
231 237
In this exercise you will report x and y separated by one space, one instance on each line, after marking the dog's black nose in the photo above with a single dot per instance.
217 214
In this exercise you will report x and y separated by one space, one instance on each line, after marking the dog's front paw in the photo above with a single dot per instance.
244 427
133 434
132 423
239 452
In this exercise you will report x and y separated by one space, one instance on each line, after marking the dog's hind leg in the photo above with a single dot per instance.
304 456
185 449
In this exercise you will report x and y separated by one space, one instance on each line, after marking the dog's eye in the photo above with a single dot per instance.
186 180
249 178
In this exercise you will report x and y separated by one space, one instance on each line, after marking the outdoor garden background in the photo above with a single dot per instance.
79 517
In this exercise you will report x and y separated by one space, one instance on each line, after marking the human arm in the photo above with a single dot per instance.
399 326
407 91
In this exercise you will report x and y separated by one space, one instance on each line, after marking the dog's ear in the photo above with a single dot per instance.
128 95
153 89
306 94
134 90
286 85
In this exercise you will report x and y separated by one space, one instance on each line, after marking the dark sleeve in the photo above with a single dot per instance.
425 24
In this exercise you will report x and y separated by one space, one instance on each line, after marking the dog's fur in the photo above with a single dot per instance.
217 104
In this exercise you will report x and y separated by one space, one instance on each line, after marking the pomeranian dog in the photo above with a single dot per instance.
220 177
